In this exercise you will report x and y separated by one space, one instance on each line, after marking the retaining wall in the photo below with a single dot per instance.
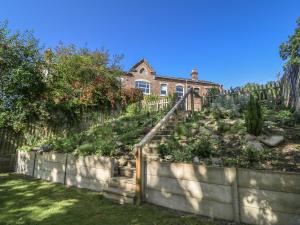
248 196
91 172
241 195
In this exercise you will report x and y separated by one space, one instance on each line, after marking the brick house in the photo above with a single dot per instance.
144 77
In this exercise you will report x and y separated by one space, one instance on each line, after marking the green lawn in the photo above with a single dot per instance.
28 201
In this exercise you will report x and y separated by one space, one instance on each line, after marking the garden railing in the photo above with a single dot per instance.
181 104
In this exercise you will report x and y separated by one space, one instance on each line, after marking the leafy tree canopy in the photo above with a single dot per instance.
21 80
37 85
290 50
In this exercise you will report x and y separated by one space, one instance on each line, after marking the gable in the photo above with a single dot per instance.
142 65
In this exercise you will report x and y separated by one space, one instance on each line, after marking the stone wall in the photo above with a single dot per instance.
90 172
248 196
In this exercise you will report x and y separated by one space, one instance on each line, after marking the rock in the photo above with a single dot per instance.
272 141
169 158
122 161
194 131
215 137
227 138
196 159
216 161
255 145
37 149
203 130
119 143
250 137
47 147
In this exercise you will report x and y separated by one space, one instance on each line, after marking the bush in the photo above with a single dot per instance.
201 148
251 156
253 117
164 149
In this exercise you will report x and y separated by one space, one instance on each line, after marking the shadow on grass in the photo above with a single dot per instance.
27 201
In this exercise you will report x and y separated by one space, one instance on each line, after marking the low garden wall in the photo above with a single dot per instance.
241 195
91 172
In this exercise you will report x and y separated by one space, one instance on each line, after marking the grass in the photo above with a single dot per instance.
28 201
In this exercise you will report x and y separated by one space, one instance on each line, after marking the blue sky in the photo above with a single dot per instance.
230 41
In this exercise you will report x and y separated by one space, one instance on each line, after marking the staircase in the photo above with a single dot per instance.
165 133
122 186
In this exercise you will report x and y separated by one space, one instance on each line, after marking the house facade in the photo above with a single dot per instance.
144 77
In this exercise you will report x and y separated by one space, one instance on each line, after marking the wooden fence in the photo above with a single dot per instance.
156 105
269 92
11 140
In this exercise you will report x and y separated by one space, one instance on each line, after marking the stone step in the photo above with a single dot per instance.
165 132
162 137
153 157
131 163
119 195
127 184
127 171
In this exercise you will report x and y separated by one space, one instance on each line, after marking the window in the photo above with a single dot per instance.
143 72
163 89
179 90
143 85
197 90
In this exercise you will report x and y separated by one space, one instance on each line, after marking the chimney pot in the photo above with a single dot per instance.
194 74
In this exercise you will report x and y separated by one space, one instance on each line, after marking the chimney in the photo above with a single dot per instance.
194 74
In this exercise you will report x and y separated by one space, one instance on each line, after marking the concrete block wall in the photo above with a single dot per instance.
90 172
25 163
191 188
241 195
50 167
267 197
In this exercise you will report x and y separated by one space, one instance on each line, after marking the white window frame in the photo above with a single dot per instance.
180 85
160 89
146 81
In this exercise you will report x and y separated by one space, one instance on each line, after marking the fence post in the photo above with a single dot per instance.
66 165
235 196
34 159
139 186
192 101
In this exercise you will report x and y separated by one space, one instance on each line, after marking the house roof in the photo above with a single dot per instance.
133 69
139 63
185 79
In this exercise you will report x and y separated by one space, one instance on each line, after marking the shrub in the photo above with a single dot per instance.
251 156
201 148
164 149
223 127
253 117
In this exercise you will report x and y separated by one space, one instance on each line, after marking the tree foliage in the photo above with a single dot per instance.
39 85
290 50
290 81
253 117
21 80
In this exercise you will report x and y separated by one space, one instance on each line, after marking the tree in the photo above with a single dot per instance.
290 50
253 118
21 76
290 82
